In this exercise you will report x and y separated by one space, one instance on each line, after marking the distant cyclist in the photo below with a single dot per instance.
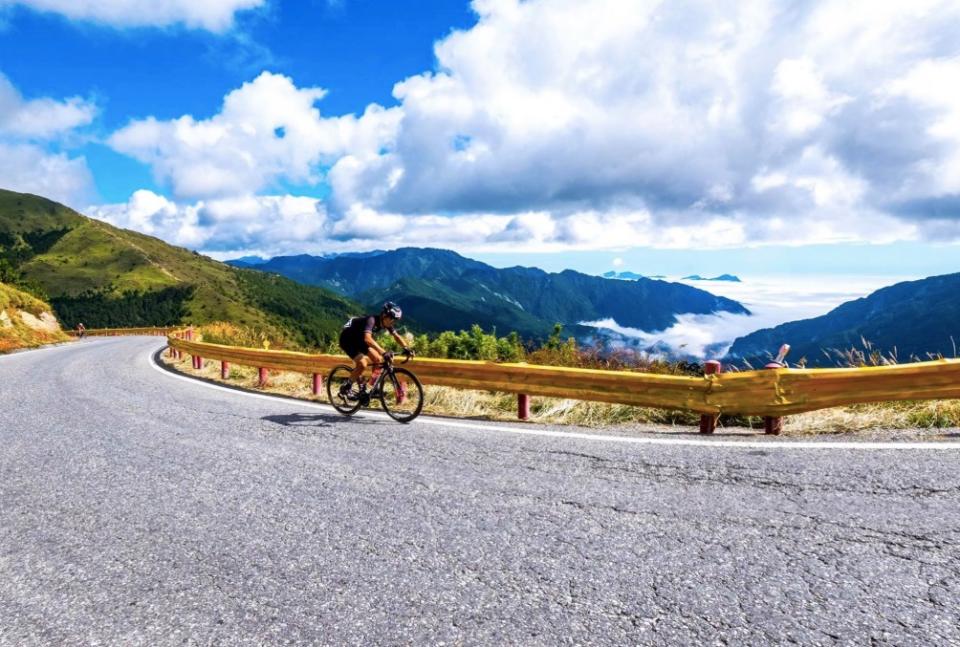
81 330
356 340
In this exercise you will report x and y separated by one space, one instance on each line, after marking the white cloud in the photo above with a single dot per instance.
30 169
30 131
211 15
690 112
267 130
42 118
606 124
267 224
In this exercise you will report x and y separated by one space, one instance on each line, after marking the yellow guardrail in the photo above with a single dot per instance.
156 331
770 393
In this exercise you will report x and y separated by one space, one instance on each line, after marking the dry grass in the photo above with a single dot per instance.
485 405
20 323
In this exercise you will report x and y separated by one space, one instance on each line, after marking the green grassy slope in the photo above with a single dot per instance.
106 276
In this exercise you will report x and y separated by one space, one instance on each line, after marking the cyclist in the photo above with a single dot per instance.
356 340
81 330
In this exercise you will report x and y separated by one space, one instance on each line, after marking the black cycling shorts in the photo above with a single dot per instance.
353 346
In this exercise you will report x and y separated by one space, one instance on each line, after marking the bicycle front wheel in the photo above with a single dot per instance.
341 401
402 395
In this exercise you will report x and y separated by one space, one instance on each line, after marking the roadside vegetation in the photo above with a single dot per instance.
25 321
557 351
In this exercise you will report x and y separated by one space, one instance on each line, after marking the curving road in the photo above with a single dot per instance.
139 508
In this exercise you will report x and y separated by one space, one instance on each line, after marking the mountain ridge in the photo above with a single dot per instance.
910 318
530 297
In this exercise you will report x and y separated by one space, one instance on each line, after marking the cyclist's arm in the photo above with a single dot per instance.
372 343
400 340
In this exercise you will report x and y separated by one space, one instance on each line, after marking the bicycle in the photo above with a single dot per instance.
399 391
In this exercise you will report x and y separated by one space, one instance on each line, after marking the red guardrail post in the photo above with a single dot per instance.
224 370
523 406
317 383
708 421
261 377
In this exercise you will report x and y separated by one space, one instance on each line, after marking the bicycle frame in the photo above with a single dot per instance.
381 371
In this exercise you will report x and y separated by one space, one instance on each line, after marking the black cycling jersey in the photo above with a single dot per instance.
357 327
353 333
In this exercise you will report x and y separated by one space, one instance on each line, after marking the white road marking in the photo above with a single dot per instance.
694 442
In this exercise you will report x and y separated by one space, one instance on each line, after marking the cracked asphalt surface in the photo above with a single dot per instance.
140 509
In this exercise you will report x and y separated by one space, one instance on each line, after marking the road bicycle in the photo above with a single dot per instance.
397 390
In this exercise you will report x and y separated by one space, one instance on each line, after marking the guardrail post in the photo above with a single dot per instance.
261 377
224 370
317 383
773 425
523 406
708 421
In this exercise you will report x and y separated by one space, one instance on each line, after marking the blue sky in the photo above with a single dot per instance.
817 138
357 49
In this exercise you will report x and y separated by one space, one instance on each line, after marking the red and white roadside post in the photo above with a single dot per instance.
224 370
774 425
261 377
317 383
523 406
708 421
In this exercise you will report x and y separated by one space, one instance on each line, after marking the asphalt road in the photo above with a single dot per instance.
137 508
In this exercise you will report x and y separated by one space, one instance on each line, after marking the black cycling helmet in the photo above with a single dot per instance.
391 309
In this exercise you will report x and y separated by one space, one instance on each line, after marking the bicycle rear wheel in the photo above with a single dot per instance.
339 376
402 395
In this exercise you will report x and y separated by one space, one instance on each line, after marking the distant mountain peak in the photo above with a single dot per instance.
623 276
723 277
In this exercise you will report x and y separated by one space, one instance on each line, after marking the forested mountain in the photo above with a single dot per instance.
105 276
441 289
913 319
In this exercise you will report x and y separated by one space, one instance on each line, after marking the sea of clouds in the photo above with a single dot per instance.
772 300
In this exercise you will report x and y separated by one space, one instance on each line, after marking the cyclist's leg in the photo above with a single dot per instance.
360 363
373 357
